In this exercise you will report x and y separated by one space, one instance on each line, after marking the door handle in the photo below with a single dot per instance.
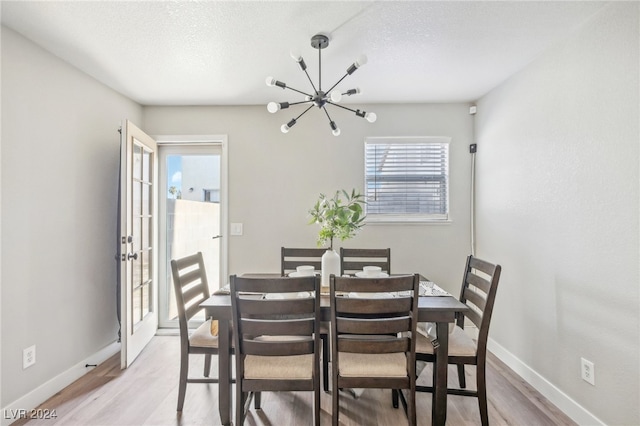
217 236
133 256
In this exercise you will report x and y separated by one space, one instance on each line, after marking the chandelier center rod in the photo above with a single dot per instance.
319 41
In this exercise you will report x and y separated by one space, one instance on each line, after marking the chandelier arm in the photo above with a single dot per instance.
304 112
343 107
338 82
310 81
299 91
301 102
327 112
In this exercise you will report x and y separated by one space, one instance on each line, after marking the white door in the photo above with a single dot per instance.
138 252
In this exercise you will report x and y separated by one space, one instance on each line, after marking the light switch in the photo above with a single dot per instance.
236 229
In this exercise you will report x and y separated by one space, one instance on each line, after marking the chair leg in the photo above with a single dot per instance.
184 373
461 378
481 384
411 409
240 400
325 361
207 365
257 400
335 405
394 398
316 405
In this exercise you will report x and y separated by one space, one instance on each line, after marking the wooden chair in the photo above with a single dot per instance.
290 259
276 340
479 286
353 260
373 337
191 289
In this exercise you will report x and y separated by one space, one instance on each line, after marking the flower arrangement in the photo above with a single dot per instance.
338 217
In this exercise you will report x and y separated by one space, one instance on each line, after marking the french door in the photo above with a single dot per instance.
192 214
138 236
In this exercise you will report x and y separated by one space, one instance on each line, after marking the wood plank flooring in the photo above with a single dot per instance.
146 394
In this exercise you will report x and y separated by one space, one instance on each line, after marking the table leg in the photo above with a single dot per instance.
439 402
224 372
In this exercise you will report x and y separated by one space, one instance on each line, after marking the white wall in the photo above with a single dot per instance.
275 178
60 153
558 205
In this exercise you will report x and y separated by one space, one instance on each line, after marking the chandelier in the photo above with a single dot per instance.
319 98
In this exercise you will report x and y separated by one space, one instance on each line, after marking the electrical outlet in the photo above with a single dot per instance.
588 371
28 357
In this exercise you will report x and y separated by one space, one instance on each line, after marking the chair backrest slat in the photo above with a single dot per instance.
261 327
477 299
291 306
379 346
478 281
374 326
277 348
363 305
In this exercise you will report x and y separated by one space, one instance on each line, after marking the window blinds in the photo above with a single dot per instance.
407 178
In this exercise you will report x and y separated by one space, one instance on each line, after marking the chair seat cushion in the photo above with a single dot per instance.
460 344
278 367
202 337
372 365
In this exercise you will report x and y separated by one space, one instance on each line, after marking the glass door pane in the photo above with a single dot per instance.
192 217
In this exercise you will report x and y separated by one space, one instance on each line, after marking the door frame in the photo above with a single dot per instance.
189 141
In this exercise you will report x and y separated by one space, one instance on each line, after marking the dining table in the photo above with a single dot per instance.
440 310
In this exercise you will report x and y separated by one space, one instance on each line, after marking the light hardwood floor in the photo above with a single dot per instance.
146 394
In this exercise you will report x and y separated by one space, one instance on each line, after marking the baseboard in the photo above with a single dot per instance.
571 408
33 399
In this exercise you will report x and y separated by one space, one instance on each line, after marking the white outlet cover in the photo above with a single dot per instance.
588 372
28 357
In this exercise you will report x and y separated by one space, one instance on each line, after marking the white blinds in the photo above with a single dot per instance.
407 178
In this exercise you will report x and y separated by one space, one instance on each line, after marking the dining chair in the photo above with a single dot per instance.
191 289
373 328
290 259
353 260
479 286
276 325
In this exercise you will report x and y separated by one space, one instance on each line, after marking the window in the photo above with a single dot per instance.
407 179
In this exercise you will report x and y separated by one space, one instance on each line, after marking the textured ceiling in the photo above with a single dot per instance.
219 53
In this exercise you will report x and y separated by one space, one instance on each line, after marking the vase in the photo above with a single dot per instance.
330 265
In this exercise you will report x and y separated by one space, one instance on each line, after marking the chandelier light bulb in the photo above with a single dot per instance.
285 127
270 81
336 96
334 128
295 55
371 117
362 59
273 107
